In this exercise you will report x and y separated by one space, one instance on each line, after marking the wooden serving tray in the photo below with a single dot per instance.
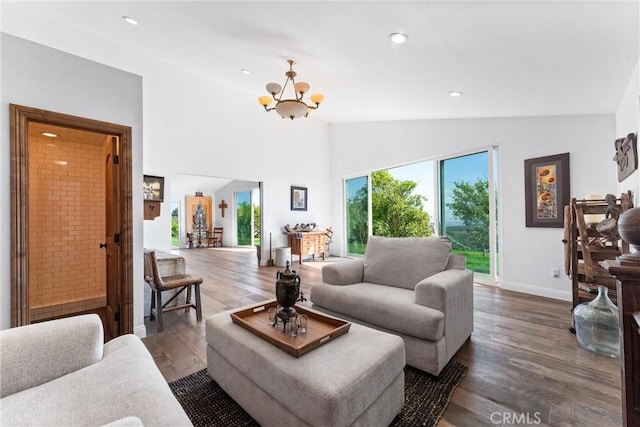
320 328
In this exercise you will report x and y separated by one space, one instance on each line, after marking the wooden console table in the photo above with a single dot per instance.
306 243
628 280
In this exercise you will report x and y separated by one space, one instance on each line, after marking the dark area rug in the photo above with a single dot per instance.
425 398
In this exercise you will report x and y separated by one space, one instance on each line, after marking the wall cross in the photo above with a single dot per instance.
223 206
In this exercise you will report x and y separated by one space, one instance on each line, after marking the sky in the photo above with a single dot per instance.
243 197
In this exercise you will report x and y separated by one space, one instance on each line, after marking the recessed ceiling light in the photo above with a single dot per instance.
245 71
130 20
60 162
49 134
398 38
455 93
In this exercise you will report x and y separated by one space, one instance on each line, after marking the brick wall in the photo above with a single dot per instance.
66 225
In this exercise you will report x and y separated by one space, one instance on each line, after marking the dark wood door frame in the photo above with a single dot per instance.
20 117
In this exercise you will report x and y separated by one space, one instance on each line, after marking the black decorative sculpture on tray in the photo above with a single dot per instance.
287 293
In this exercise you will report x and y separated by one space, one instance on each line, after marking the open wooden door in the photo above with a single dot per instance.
112 235
118 177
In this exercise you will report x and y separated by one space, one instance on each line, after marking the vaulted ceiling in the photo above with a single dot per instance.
509 58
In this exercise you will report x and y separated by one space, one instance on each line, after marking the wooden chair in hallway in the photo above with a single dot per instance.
217 237
159 284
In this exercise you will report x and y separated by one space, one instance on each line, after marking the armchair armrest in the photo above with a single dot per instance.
451 292
445 289
344 272
35 354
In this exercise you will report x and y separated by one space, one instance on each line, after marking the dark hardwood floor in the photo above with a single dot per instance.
524 364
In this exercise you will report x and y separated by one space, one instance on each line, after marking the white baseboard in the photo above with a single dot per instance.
140 331
538 291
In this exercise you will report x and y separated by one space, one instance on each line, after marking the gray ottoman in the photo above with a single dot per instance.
355 380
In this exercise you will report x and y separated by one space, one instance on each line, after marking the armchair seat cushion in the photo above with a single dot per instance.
385 306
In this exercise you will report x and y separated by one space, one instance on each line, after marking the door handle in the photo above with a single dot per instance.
103 245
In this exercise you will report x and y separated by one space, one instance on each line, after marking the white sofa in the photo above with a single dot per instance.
412 287
59 373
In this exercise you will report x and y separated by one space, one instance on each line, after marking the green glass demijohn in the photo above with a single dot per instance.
596 324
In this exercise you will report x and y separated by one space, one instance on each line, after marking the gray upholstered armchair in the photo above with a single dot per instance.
60 373
412 287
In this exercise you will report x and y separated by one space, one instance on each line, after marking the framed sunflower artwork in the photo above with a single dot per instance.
547 190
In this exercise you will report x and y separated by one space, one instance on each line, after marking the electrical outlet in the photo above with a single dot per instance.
555 272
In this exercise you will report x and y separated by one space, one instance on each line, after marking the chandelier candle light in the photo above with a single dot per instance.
292 108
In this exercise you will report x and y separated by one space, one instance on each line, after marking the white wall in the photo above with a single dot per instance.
179 186
628 121
227 193
37 76
194 125
527 255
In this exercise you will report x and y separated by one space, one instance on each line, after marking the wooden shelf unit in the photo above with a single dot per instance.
628 277
307 243
585 248
151 209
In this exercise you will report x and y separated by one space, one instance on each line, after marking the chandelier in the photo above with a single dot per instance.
291 108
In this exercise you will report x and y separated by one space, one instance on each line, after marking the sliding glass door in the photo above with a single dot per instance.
248 217
454 197
467 209
357 215
175 225
403 201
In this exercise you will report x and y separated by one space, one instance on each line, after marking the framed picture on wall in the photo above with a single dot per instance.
298 198
547 190
153 188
